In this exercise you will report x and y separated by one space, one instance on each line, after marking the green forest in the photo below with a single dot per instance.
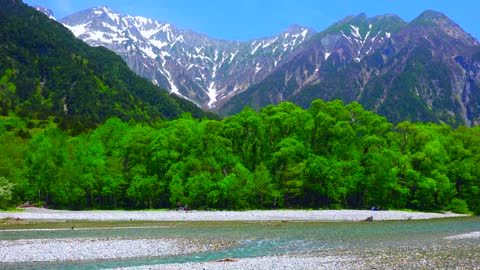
328 156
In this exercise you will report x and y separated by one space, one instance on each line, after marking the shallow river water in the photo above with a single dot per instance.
261 238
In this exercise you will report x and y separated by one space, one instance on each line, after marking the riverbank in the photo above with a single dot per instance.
254 215
260 263
81 249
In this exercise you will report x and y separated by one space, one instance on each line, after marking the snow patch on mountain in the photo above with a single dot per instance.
46 11
78 30
256 48
212 94
362 40
173 87
270 42
149 33
149 52
158 43
257 68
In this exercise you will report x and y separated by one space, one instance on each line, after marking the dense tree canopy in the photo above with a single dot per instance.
329 156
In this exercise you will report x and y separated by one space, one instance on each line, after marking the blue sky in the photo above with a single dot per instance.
244 20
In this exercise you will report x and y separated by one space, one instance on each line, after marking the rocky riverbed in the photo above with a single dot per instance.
451 254
458 251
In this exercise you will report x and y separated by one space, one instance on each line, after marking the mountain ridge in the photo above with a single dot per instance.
185 62
429 62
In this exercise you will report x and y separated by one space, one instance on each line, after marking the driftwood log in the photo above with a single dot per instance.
227 260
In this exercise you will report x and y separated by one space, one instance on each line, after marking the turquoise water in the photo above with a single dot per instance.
261 239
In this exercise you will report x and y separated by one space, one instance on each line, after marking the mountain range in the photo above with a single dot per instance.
203 70
423 70
426 70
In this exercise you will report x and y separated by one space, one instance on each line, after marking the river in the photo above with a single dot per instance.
263 238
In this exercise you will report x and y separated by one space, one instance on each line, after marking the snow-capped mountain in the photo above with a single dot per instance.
206 71
46 11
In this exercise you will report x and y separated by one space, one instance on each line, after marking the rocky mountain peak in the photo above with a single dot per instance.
45 11
392 20
437 20
357 36
295 28
433 16
105 14
104 9
297 32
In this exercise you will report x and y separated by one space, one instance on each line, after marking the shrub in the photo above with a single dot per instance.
458 206
5 192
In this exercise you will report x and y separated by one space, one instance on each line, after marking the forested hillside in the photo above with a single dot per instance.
46 72
329 156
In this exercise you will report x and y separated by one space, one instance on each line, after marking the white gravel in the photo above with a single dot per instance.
470 235
256 215
77 249
260 263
